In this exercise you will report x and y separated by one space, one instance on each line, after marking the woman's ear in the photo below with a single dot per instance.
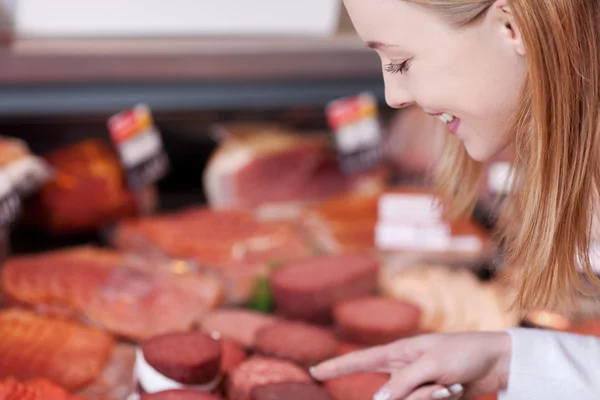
508 26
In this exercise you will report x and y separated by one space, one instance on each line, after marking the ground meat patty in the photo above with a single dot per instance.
374 320
258 371
191 358
181 395
308 289
238 325
232 355
290 391
298 342
361 386
346 347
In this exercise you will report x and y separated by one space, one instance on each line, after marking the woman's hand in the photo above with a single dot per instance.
452 366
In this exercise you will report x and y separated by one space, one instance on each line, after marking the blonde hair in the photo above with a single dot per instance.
546 225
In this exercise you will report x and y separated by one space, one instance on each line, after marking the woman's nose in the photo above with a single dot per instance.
397 97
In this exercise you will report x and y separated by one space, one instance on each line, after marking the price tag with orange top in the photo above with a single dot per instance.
358 132
140 146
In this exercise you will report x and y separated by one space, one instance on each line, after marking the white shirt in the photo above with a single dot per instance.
547 365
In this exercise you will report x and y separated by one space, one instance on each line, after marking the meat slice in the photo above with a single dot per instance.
346 347
308 289
133 300
360 386
190 358
301 343
374 320
181 395
290 391
258 371
233 243
239 325
64 352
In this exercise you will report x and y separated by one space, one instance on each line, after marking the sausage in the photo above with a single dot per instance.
360 386
298 342
190 358
238 325
181 395
290 391
258 371
372 321
308 289
232 355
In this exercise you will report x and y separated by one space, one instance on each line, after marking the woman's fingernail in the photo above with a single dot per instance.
456 388
441 394
383 394
312 371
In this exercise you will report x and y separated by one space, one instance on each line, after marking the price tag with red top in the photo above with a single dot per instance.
140 146
358 132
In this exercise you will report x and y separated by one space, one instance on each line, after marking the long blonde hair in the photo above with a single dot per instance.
546 226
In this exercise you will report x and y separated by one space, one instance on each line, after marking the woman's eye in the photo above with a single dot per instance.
397 68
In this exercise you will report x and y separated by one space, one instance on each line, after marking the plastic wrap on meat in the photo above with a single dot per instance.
132 300
260 164
233 242
88 191
116 380
65 352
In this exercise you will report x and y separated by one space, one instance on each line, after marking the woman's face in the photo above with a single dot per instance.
470 78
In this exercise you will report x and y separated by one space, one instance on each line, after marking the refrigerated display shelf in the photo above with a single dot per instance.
43 77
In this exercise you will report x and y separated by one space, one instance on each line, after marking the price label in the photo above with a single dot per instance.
10 202
358 132
139 145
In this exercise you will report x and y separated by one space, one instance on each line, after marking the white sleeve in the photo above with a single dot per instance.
549 365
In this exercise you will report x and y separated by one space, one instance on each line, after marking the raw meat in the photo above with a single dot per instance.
239 325
262 164
131 299
373 321
64 352
181 395
35 389
308 289
360 386
258 371
344 223
290 391
298 342
190 358
88 191
233 243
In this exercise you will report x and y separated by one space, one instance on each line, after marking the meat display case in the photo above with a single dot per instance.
62 77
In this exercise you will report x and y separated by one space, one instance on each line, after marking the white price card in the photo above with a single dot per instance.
139 145
358 132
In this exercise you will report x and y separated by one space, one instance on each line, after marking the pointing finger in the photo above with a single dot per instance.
411 379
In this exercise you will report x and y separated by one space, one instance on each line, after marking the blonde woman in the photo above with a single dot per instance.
523 74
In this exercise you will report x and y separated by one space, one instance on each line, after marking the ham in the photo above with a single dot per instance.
259 165
64 352
132 300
